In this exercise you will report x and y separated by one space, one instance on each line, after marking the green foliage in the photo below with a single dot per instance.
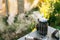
54 19
5 20
1 36
29 29
10 30
16 18
57 7
57 27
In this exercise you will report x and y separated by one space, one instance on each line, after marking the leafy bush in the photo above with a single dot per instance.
54 19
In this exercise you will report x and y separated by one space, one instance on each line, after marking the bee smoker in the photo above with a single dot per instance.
42 26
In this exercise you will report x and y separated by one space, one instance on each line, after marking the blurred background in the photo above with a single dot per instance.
19 17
